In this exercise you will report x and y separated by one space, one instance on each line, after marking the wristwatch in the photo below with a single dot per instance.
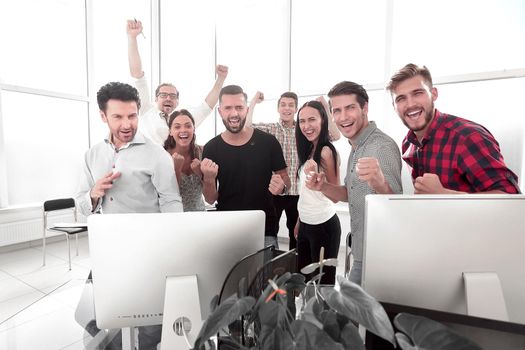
285 191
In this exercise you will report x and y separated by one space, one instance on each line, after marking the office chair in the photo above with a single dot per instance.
61 204
284 261
246 268
255 269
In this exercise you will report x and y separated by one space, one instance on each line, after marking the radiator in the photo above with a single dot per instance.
30 229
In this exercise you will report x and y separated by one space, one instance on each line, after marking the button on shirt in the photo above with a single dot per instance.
371 142
152 122
464 155
147 185
286 137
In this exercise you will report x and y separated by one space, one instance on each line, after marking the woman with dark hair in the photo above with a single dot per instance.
318 225
186 159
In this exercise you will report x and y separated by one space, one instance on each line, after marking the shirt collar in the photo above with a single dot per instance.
434 125
137 140
281 123
365 133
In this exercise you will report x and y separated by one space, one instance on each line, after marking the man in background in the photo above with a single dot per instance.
155 116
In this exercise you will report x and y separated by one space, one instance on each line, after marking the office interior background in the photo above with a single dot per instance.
56 54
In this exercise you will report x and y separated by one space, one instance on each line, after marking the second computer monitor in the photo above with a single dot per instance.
417 249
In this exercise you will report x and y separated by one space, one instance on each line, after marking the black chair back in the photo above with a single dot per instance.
246 268
59 204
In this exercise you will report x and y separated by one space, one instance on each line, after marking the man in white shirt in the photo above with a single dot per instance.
155 114
126 173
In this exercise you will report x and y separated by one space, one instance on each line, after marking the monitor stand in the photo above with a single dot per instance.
181 321
128 338
484 296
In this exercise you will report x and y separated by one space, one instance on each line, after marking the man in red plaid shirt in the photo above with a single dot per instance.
447 154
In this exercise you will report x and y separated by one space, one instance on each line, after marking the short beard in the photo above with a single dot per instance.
236 130
428 119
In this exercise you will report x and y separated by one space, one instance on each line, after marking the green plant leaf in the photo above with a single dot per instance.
308 336
404 342
296 282
309 314
330 325
353 302
214 302
350 337
227 312
227 344
273 338
267 291
272 314
428 334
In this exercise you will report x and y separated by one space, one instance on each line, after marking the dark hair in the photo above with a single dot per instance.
349 88
232 90
117 91
409 71
165 84
170 141
289 94
304 147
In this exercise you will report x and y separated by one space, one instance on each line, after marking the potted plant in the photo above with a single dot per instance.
327 319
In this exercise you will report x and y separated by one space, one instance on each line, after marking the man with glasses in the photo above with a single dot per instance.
154 116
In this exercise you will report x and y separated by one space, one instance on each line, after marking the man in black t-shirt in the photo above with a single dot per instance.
247 164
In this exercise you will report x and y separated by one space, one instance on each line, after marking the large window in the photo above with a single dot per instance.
253 39
497 105
187 54
56 54
110 49
44 146
457 37
340 40
41 48
48 48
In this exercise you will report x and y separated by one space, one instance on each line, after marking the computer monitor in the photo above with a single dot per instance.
418 247
132 254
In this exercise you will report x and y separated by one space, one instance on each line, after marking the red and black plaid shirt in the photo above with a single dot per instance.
464 155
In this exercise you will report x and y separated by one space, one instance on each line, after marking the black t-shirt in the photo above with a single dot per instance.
245 172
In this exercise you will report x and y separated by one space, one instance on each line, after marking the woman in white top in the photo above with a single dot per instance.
318 225
186 159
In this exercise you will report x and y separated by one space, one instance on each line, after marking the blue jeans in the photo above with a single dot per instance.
271 240
356 272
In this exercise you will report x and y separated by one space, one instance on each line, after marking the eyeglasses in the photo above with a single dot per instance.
165 94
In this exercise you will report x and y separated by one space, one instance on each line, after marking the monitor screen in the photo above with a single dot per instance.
132 254
418 247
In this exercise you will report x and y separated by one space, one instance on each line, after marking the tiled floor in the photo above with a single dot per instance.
37 303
